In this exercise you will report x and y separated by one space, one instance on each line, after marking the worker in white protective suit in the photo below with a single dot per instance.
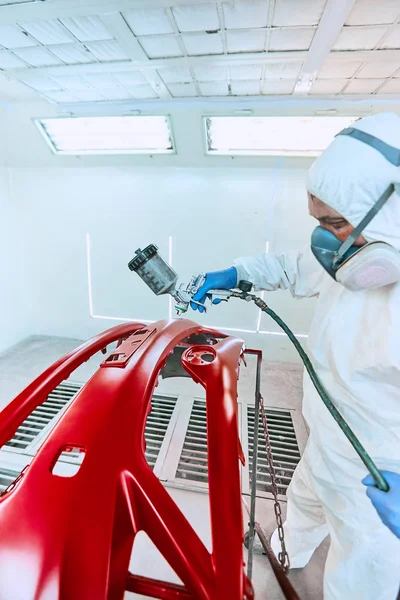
354 344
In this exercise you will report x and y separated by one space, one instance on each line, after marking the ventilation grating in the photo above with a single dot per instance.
7 476
193 460
43 415
285 450
156 426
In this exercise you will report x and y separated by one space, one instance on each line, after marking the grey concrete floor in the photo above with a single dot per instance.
281 385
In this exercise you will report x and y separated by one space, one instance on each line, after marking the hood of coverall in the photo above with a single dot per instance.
350 176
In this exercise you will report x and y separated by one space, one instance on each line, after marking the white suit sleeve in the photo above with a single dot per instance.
299 272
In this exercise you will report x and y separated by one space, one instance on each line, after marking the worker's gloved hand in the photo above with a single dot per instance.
217 280
387 504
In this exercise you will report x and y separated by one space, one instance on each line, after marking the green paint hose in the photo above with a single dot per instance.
380 481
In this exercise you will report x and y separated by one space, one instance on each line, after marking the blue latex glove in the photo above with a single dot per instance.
217 280
387 504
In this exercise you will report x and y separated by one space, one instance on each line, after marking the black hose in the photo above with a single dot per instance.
380 481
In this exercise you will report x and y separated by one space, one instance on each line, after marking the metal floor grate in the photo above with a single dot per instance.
43 415
157 423
285 450
193 460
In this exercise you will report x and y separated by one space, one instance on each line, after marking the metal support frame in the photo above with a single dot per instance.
73 537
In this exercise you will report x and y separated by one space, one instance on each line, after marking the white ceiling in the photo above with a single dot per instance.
96 51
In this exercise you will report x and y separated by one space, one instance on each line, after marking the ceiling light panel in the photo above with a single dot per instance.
244 14
43 84
393 39
247 72
363 86
12 36
175 75
215 88
10 61
202 44
142 92
72 83
108 135
38 57
101 80
87 29
61 97
197 18
278 86
291 39
165 46
48 32
246 40
366 12
89 96
182 90
107 51
245 88
73 54
148 22
338 69
307 136
328 86
378 70
116 93
359 38
298 12
289 70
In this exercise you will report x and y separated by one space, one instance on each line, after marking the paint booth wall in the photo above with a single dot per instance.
14 318
211 216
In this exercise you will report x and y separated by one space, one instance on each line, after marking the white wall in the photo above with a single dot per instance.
213 216
14 317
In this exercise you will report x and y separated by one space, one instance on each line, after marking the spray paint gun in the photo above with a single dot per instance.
162 279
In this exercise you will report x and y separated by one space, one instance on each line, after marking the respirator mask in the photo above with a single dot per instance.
374 265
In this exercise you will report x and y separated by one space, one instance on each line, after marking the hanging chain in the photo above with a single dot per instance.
283 556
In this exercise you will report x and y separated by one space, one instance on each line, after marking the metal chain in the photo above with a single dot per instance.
283 556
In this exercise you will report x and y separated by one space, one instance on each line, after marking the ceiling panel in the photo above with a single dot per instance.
87 29
142 92
291 39
129 78
73 54
298 12
215 88
246 40
43 84
198 44
12 36
182 90
89 96
61 96
278 86
175 75
48 32
378 70
37 57
246 14
370 12
363 86
99 80
288 70
107 51
391 87
10 61
116 93
210 73
163 46
245 88
328 86
149 21
359 38
247 72
72 83
197 18
332 69
393 39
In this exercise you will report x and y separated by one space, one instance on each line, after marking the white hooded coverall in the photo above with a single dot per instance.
354 343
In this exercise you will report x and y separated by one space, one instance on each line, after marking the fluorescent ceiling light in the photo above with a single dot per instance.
287 136
108 135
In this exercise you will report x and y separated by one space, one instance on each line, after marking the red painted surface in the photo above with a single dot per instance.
71 538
